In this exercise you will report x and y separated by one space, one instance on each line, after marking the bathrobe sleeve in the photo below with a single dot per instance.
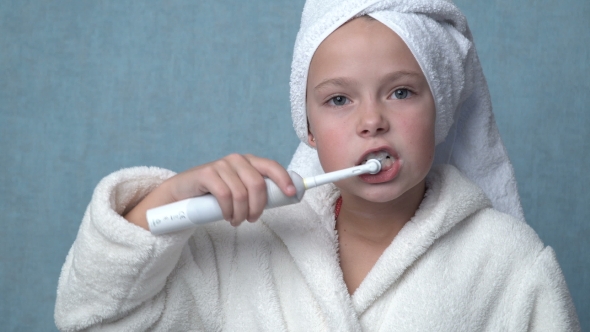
547 304
116 271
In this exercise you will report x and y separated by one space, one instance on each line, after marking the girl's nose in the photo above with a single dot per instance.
372 121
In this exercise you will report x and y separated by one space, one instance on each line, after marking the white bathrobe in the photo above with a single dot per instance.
457 265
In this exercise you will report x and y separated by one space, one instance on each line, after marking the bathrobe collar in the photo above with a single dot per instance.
311 239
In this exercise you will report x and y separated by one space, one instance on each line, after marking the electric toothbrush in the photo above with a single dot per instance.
203 209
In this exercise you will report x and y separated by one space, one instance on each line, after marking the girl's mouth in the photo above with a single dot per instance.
390 167
383 157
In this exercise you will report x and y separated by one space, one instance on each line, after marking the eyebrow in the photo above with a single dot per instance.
343 81
402 74
338 81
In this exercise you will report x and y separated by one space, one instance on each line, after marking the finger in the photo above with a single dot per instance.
214 184
256 188
224 198
273 170
257 197
234 164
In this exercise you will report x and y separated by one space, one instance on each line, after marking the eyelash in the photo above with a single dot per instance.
408 91
331 100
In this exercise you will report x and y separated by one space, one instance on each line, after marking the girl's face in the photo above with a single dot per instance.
366 93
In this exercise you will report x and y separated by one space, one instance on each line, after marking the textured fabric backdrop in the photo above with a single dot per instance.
87 88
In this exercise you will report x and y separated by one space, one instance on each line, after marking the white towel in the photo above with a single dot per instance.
438 35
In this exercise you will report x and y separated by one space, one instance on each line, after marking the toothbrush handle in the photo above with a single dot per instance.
190 212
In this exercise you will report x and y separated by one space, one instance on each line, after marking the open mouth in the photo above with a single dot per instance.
382 156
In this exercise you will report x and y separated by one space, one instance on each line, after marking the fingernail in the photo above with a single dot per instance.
291 188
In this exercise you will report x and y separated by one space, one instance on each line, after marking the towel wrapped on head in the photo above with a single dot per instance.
438 36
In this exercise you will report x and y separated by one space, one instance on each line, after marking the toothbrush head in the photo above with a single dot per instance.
375 166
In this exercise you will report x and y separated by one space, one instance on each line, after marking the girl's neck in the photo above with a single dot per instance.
365 229
378 223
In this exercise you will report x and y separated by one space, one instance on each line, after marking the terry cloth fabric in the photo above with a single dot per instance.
438 35
457 265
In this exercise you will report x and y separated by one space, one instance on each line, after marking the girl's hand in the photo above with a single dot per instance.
237 181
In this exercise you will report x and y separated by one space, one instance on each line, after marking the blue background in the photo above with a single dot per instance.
87 88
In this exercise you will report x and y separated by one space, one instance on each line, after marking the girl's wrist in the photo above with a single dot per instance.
161 195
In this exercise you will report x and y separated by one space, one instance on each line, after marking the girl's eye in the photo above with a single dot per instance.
401 93
338 101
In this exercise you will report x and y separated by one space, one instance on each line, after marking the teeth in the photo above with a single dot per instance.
387 162
385 158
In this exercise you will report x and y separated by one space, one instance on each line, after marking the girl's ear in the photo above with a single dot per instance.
311 139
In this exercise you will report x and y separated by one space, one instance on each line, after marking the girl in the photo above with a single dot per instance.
415 247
